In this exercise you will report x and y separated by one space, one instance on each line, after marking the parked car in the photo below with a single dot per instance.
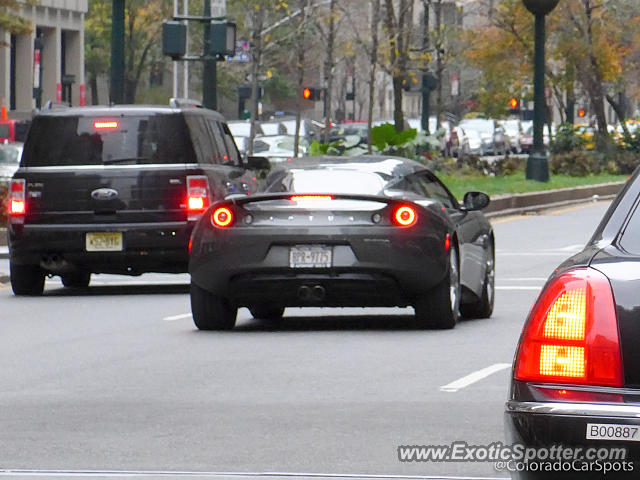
273 128
243 129
475 142
576 373
513 129
335 231
307 129
279 148
117 190
495 139
10 154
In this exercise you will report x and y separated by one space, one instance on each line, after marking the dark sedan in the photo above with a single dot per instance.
339 232
576 374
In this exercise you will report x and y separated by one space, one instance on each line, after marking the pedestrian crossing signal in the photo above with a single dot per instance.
582 113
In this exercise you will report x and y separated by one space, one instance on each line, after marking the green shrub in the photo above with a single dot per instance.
567 140
508 166
575 163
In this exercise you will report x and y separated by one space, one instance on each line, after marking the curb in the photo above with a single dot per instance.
502 205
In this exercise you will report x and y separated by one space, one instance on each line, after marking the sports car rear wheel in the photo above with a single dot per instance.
440 308
211 312
483 307
271 313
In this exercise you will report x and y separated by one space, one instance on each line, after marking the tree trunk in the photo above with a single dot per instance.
93 85
328 71
375 20
398 114
256 50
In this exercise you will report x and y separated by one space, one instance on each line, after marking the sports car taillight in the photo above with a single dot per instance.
572 333
197 195
222 217
17 196
404 216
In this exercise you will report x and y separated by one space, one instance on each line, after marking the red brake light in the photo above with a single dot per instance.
197 195
405 216
312 198
572 333
17 197
222 217
196 203
105 125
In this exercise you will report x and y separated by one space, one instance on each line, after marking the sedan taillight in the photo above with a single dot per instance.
572 333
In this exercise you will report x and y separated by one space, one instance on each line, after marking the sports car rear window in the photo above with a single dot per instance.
325 181
108 140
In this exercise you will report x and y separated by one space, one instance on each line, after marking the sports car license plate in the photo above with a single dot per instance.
609 431
311 256
104 242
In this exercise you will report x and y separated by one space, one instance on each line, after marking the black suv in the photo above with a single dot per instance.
117 190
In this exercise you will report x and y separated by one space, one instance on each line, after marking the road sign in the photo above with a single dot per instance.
218 8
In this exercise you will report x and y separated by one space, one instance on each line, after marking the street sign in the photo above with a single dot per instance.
218 8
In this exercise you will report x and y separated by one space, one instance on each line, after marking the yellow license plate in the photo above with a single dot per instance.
104 242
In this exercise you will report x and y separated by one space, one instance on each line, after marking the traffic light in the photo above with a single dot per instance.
312 94
582 113
514 106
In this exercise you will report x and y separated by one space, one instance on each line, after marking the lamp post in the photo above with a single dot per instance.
537 163
116 94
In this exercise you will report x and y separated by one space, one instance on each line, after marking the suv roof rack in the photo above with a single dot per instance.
184 102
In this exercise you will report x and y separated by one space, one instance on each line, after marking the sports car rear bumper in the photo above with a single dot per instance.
387 268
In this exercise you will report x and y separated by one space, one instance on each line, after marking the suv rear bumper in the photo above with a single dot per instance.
59 248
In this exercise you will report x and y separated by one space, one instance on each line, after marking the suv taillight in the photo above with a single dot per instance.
17 196
572 333
197 195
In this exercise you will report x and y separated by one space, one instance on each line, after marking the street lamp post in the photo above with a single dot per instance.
537 163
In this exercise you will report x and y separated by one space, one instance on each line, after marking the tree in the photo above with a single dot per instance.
398 23
143 25
10 21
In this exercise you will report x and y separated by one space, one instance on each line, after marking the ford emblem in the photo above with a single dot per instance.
104 194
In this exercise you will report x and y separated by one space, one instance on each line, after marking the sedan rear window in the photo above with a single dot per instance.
116 140
630 239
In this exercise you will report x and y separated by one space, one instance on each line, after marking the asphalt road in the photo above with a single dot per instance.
117 383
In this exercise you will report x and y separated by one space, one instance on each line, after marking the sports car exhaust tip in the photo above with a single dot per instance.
318 293
304 293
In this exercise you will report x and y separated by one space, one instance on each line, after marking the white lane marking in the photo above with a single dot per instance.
474 377
161 473
518 287
173 318
523 279
124 283
571 248
532 254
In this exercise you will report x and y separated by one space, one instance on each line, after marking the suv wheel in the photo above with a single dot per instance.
26 279
76 279
211 312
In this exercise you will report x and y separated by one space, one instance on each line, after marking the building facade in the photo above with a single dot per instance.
46 64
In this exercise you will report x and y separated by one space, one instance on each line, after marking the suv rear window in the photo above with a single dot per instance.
117 140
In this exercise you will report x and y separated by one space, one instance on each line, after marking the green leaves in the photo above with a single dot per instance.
385 135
